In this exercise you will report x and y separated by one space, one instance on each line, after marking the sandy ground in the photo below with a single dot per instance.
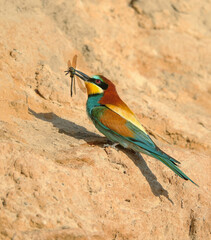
57 181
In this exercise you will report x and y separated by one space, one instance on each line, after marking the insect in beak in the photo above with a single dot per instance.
73 72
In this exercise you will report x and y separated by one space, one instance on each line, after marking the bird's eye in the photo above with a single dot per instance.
97 81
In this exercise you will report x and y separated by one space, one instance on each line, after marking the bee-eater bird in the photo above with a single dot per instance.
113 118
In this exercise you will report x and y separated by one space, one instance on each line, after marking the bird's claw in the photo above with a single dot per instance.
112 146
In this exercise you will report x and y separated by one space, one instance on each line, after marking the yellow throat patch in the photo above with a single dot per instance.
92 88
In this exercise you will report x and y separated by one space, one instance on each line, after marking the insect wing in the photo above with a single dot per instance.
74 61
71 71
80 84
74 84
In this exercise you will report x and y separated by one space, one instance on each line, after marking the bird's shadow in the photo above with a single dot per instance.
69 128
74 130
156 188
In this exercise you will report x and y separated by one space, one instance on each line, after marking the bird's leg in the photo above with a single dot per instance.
111 145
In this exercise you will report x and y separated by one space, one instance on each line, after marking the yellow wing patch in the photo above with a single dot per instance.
129 116
92 88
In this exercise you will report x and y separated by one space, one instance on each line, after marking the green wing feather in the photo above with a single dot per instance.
140 141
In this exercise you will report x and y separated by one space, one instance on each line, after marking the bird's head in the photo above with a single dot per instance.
96 84
99 84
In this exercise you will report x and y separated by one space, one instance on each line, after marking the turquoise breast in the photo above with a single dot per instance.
92 101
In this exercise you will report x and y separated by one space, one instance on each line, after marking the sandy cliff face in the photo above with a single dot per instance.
56 179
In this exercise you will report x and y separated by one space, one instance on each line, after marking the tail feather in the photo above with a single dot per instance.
165 155
154 150
173 167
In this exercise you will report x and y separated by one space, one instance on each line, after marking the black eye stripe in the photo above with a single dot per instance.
101 84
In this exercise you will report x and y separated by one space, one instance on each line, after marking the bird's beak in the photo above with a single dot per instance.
82 76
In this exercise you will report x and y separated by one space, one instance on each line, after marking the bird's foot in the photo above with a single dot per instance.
112 146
